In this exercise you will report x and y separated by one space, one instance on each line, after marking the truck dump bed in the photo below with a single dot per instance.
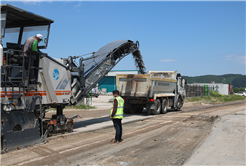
133 85
147 85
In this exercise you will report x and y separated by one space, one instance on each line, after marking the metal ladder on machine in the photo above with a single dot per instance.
22 83
16 76
11 80
32 86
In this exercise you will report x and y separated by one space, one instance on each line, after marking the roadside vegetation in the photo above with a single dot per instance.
80 106
238 90
212 99
237 80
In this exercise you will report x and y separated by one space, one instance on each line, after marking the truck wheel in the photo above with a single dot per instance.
127 111
127 108
157 109
164 106
132 109
139 109
179 105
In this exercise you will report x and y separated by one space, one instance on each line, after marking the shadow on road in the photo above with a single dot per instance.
84 123
89 122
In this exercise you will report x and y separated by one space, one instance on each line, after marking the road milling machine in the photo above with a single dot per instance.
60 82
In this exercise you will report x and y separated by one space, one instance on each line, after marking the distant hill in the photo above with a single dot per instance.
237 80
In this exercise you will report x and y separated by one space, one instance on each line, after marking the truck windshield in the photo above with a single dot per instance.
12 34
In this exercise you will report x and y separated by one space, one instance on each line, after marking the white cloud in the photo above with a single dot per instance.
34 1
78 5
236 59
229 56
241 59
167 60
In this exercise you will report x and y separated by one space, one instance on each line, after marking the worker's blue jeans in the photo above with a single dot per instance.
118 128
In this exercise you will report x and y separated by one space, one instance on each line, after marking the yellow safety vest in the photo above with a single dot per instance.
120 106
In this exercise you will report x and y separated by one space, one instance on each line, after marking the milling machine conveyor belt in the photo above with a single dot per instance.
105 59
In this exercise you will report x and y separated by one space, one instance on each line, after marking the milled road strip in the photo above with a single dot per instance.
76 148
97 126
160 121
129 119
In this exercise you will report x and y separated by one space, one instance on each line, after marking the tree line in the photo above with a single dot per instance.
237 80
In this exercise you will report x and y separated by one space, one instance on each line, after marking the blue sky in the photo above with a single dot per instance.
195 38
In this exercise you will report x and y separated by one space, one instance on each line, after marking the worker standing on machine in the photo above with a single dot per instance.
116 116
31 48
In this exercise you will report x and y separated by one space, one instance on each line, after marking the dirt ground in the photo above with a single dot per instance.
103 107
169 139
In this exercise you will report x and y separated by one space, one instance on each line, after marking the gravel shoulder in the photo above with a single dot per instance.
225 145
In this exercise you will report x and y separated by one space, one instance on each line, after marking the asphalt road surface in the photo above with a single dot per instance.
175 138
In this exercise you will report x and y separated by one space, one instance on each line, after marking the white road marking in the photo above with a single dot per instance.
35 159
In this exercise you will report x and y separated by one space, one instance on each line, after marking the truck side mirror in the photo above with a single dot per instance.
183 82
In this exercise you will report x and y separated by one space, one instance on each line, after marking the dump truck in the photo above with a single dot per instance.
155 91
60 82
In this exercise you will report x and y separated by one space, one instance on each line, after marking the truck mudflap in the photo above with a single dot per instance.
150 105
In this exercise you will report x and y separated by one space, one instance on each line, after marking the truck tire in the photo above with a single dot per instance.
139 109
164 106
127 111
127 108
132 109
157 109
179 105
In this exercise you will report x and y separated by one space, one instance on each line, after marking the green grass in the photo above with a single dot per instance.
81 106
212 99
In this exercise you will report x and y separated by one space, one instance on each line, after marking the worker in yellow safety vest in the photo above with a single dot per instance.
116 116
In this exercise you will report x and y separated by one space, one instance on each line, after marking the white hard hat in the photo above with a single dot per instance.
39 36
